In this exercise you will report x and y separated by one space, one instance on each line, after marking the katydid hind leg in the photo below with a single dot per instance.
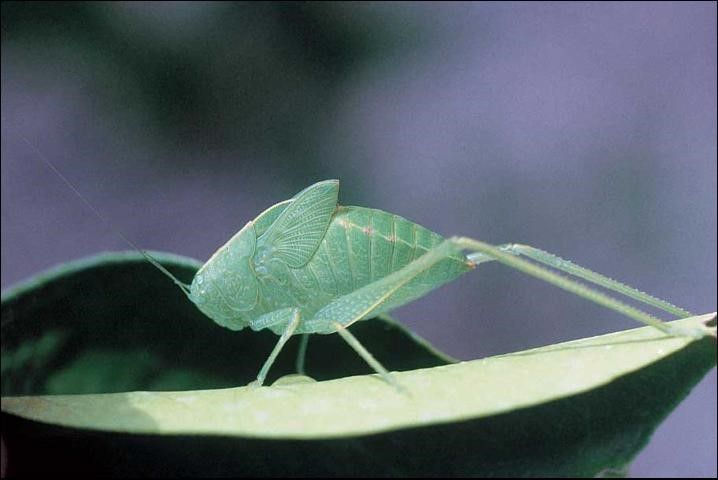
583 273
509 255
369 299
362 302
345 310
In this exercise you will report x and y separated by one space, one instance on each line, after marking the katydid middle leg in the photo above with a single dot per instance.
362 303
366 355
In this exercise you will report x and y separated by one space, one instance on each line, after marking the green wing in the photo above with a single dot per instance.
296 234
265 219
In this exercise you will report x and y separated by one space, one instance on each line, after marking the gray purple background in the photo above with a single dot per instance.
586 129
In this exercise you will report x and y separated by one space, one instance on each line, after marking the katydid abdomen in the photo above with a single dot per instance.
361 246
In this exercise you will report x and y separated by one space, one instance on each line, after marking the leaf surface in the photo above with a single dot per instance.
577 408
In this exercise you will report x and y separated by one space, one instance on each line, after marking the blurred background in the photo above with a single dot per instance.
588 130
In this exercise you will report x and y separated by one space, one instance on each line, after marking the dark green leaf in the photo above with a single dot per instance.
113 324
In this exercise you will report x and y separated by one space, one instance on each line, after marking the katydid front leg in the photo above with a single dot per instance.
288 314
302 354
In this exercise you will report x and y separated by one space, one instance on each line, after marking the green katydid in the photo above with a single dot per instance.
309 265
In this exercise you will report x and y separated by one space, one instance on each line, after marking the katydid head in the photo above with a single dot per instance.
226 286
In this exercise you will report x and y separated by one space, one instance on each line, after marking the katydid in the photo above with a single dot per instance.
309 265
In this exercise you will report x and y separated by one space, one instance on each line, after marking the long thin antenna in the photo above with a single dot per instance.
184 287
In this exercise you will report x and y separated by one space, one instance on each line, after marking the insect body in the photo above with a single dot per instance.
296 257
308 265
